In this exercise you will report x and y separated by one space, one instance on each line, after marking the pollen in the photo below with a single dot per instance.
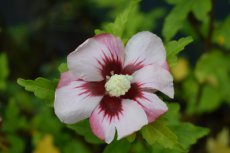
118 85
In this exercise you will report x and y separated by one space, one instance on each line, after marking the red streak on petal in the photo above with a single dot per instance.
134 92
110 64
92 88
111 106
131 68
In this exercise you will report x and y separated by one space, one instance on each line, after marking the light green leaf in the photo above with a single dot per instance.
75 146
188 134
174 137
4 70
173 113
173 1
158 132
41 87
83 128
63 67
201 8
45 116
121 146
150 19
190 90
118 26
210 87
222 33
131 137
12 119
176 18
213 69
174 47
210 99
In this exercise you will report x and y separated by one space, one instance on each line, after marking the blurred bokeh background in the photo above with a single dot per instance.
36 36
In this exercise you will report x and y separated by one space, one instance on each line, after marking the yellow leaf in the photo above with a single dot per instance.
180 70
220 144
45 145
220 40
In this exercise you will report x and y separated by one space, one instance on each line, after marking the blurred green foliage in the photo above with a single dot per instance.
25 121
4 71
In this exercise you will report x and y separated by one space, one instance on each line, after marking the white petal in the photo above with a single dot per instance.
130 119
155 77
89 60
75 102
145 48
153 106
102 126
133 119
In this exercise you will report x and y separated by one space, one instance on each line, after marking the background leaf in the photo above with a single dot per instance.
118 146
41 87
160 133
83 128
176 18
174 47
4 70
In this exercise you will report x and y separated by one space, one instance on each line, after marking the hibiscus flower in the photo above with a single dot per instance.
113 86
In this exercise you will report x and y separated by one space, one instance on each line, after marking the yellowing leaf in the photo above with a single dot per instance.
180 70
220 40
220 144
45 145
222 33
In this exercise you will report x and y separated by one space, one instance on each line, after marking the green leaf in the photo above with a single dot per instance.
188 134
174 47
41 87
190 91
12 119
213 69
83 128
75 146
118 26
173 1
4 70
201 9
222 33
173 113
132 26
45 116
150 19
176 18
160 133
63 67
118 147
17 144
132 137
210 99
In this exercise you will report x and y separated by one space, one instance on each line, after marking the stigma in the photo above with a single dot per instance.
118 85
